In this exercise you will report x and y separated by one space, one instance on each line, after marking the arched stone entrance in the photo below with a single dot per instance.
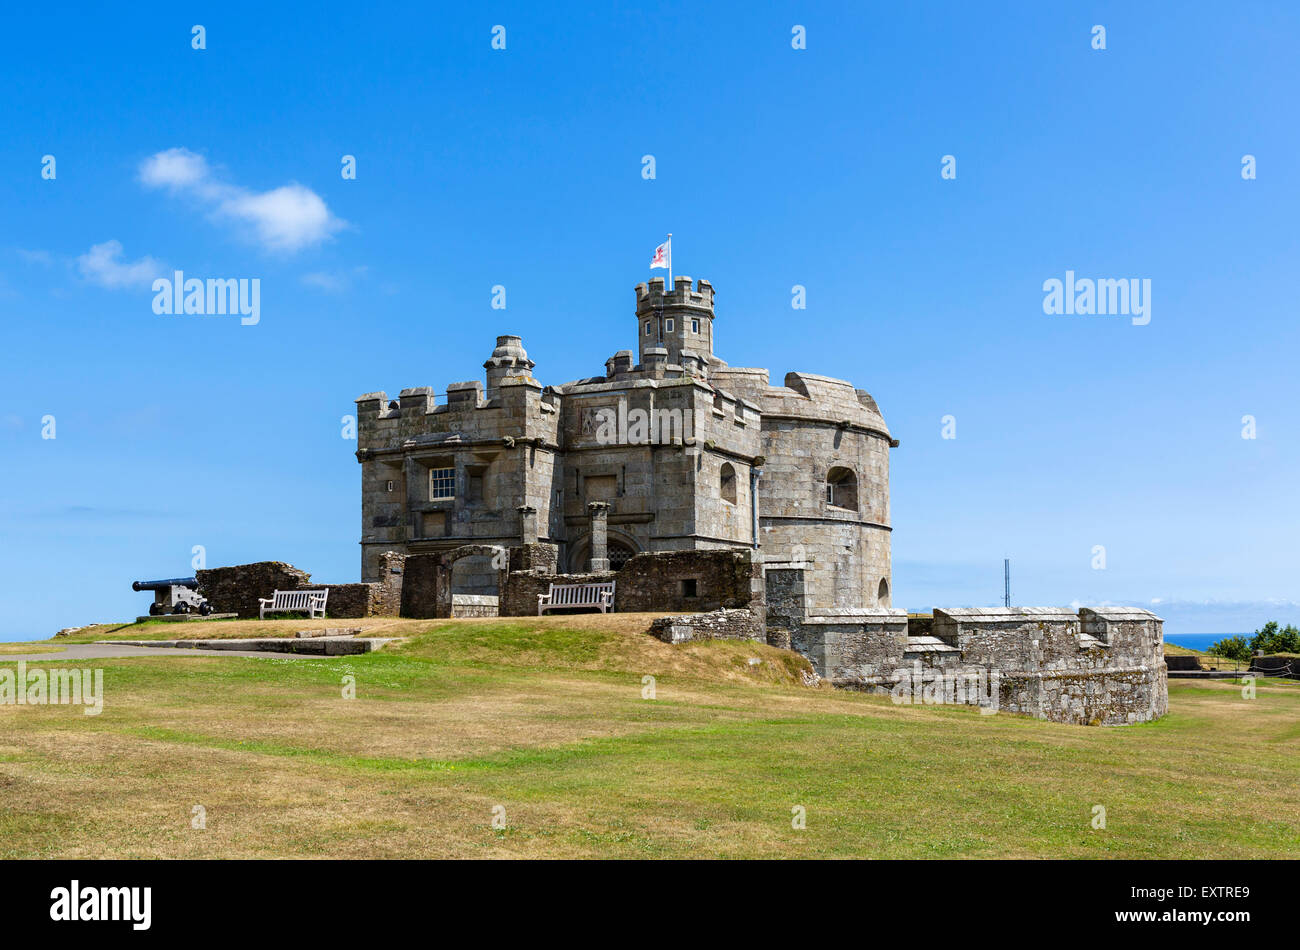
620 549
440 585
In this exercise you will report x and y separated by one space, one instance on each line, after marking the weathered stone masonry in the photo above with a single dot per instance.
1099 666
730 462
792 479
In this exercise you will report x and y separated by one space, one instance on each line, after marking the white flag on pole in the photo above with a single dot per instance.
663 255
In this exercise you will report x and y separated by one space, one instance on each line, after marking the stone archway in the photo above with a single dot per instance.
430 580
471 579
619 546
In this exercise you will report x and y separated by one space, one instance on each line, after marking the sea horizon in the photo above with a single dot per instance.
1202 641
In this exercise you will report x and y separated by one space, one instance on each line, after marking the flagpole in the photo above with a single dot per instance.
670 261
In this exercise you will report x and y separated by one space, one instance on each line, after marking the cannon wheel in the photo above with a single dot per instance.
155 609
205 609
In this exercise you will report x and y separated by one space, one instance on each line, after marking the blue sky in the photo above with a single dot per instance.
774 167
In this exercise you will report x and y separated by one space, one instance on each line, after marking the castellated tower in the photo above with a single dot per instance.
679 320
722 459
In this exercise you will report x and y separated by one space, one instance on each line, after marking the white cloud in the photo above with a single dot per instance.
287 218
103 264
174 168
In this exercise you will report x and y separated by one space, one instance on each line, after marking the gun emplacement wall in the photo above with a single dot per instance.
1099 666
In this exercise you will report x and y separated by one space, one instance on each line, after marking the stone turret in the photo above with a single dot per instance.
680 320
508 359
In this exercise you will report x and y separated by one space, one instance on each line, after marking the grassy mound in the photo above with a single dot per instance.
408 752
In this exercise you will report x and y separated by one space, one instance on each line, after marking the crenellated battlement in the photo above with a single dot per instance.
652 296
678 320
801 467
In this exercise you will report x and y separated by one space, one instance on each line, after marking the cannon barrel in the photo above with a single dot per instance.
192 582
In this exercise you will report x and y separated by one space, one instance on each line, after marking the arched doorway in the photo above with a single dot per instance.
618 549
473 575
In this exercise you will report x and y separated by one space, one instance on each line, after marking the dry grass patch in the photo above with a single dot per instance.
545 717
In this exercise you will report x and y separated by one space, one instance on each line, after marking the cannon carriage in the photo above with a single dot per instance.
175 595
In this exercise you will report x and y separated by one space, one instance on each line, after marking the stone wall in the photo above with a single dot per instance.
350 600
1099 666
420 585
473 605
236 589
429 582
386 599
537 558
724 624
670 581
518 462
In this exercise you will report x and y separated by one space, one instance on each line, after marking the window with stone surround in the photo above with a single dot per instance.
669 325
842 488
695 326
442 483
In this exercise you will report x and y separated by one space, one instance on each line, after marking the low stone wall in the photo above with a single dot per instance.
350 600
1101 697
538 557
669 581
236 589
1279 665
519 597
474 605
661 581
1182 662
1099 666
726 624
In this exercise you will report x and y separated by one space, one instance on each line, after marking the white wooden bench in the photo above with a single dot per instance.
596 594
310 602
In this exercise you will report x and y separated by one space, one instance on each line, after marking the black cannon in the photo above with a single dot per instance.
175 595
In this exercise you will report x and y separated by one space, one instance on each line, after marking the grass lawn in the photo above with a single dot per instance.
545 718
39 646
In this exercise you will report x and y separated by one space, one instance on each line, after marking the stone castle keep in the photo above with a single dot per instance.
726 462
736 508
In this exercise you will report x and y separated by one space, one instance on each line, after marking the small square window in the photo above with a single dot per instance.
690 587
442 483
669 325
695 326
